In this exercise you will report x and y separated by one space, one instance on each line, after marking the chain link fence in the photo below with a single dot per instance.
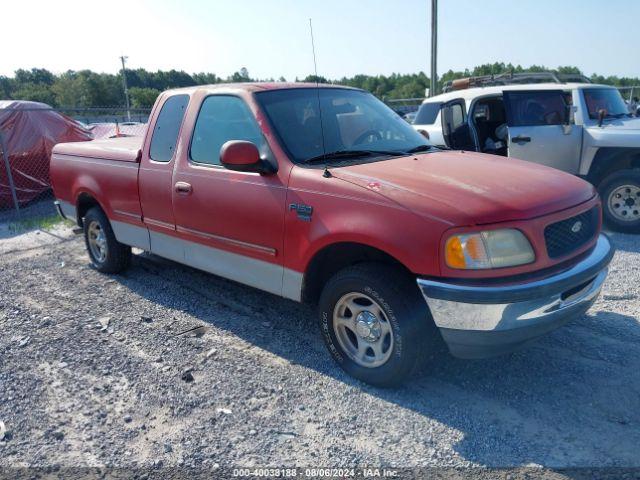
27 136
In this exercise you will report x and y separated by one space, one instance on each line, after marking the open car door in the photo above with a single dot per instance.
455 128
541 130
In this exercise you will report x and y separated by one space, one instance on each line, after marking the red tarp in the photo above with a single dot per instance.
30 130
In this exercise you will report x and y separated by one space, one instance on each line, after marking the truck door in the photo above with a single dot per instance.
455 128
230 223
541 130
158 159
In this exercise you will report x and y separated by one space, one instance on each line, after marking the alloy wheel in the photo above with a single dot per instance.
363 330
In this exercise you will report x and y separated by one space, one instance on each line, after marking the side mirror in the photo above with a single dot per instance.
243 156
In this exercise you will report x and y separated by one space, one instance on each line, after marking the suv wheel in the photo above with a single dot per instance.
375 323
106 253
620 193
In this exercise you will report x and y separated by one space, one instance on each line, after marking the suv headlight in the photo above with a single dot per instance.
507 247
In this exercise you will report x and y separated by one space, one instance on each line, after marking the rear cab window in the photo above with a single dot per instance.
167 128
427 113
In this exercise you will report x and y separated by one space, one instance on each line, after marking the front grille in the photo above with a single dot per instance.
569 235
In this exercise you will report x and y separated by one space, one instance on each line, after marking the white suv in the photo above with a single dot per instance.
581 128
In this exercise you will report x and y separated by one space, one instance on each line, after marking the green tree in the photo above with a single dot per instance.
315 79
35 92
143 97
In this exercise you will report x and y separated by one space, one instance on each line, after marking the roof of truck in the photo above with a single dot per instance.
259 86
471 93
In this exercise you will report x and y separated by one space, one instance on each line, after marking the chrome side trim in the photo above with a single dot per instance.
250 271
131 234
230 241
159 223
266 276
127 214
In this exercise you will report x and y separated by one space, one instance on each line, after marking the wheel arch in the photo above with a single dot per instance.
334 257
84 201
611 159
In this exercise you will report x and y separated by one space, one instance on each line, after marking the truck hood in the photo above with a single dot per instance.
461 188
620 124
621 133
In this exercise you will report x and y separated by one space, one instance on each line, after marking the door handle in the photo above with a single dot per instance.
183 188
520 139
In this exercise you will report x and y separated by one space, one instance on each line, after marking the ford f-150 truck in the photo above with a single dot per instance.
322 194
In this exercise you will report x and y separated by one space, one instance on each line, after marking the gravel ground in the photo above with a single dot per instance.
167 366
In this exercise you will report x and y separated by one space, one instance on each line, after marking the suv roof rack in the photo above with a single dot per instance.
513 79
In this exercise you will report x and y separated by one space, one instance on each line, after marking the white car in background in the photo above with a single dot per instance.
581 128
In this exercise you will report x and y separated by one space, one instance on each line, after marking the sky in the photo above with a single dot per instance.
271 37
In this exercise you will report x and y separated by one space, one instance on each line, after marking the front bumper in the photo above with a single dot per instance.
482 321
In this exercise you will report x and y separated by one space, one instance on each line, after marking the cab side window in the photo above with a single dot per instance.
457 116
222 118
537 108
167 127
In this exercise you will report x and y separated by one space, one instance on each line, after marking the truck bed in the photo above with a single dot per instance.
104 169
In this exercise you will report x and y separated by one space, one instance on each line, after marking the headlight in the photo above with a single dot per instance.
490 249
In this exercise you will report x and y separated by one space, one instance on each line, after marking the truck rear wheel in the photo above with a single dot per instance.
375 323
620 193
106 253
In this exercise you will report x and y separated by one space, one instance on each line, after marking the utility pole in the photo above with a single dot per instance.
124 85
434 48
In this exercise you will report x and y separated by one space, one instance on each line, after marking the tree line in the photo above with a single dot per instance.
84 88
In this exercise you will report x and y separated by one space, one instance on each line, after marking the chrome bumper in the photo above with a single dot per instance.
56 203
480 321
65 209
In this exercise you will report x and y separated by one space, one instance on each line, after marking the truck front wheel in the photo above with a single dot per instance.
106 253
375 323
620 194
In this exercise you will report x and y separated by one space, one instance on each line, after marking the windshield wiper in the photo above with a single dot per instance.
609 116
339 154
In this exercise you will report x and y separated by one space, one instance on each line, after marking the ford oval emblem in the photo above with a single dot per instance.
576 227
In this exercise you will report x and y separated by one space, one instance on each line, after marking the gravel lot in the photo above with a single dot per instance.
168 366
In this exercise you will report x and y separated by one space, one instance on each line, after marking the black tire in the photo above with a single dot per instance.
397 295
117 257
608 187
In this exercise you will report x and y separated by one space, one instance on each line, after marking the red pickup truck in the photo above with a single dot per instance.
324 195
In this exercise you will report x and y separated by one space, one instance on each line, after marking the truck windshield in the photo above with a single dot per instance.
608 99
347 122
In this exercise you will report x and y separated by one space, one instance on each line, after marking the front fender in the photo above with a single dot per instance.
361 217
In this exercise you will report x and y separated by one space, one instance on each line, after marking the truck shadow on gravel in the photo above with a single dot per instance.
571 399
625 242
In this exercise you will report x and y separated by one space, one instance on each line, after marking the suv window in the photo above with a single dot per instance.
427 113
536 108
167 127
222 118
457 116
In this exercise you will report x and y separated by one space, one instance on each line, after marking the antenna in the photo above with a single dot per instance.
326 173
